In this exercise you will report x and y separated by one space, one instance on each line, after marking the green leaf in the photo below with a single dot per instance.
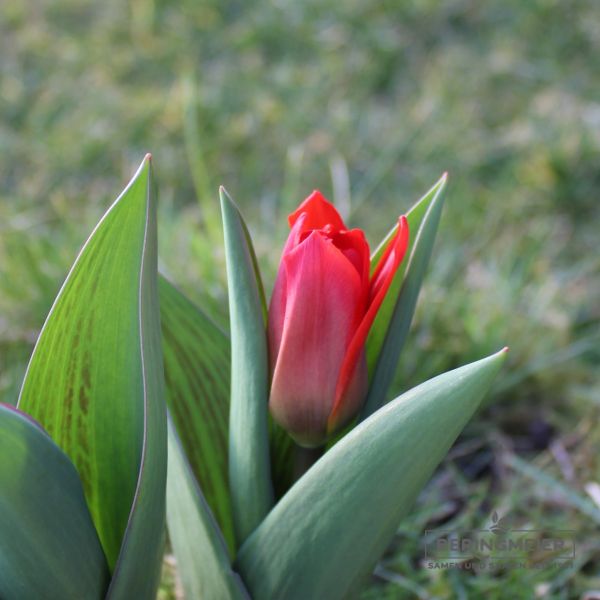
197 357
326 533
202 556
48 545
249 469
392 324
415 218
281 448
95 383
197 370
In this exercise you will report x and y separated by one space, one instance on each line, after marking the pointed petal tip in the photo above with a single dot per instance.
320 211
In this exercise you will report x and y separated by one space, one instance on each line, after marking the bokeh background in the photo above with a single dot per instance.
370 102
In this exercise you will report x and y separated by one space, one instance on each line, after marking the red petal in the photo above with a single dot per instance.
279 295
322 294
320 213
355 248
380 283
389 263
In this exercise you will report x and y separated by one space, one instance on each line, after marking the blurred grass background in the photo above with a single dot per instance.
370 102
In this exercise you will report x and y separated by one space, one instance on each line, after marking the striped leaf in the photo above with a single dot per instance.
197 370
95 383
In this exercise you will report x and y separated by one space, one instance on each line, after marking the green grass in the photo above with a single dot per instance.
370 102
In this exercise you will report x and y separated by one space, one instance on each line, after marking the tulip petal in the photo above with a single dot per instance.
380 283
322 290
391 259
279 295
353 244
320 212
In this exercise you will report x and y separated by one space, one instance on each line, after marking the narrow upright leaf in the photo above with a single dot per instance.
202 557
95 382
325 535
392 323
415 217
48 545
138 569
197 356
197 371
249 469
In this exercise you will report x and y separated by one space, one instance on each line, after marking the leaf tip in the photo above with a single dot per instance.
499 356
224 196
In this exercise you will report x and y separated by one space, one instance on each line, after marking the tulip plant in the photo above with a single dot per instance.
272 450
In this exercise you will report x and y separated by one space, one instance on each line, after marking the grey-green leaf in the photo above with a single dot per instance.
249 468
324 536
48 545
197 371
392 324
202 556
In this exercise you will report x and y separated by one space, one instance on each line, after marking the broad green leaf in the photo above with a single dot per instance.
324 536
392 324
203 560
95 383
249 468
48 545
197 371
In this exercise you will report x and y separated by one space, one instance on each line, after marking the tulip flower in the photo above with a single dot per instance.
323 305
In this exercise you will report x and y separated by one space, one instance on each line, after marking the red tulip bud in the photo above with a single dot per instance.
323 305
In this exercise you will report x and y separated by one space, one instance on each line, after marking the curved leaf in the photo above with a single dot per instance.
197 370
48 545
95 383
415 217
138 569
202 556
392 324
198 365
249 468
326 533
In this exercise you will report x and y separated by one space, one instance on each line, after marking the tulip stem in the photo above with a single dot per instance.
305 458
